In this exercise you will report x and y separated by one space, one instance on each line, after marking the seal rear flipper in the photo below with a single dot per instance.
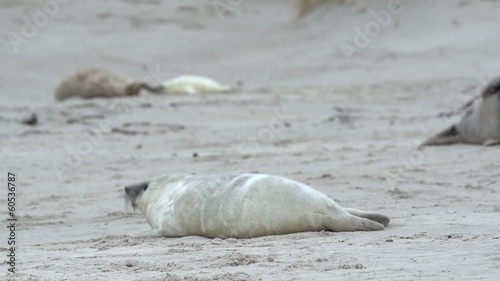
376 217
448 136
349 222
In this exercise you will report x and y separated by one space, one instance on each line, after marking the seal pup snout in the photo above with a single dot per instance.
134 191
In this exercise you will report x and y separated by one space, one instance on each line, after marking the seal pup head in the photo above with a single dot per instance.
135 191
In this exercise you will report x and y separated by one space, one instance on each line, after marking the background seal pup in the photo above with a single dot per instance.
191 85
243 206
480 123
96 82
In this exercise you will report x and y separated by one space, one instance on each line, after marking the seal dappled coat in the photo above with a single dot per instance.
479 125
241 206
97 82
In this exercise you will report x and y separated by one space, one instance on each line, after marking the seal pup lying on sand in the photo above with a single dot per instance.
480 123
96 82
243 206
191 84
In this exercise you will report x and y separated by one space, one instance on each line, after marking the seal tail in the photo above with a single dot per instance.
376 217
448 136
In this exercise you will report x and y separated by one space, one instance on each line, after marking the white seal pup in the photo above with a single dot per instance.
96 82
480 123
243 206
191 84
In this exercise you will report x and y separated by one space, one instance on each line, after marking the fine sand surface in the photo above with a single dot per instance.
347 125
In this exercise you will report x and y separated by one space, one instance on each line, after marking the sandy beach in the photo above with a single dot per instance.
339 99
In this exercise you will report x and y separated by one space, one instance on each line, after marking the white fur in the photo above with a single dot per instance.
248 205
190 84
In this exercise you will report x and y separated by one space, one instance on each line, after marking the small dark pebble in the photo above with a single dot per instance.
195 155
389 240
